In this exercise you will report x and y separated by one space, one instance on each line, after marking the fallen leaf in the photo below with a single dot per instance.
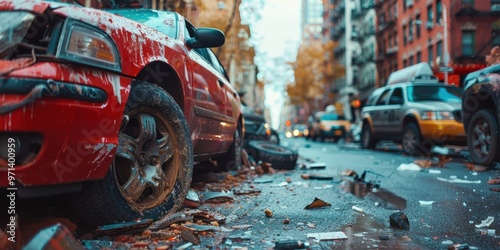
318 203
473 167
494 181
268 213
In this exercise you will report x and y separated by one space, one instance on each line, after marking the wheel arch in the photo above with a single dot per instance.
164 76
474 101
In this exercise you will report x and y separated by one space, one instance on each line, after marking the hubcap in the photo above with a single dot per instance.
482 138
145 165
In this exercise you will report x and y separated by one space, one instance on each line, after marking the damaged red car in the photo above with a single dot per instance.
113 108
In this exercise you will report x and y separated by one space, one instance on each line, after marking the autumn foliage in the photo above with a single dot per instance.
494 56
314 70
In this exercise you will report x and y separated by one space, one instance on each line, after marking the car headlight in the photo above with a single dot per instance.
88 45
437 115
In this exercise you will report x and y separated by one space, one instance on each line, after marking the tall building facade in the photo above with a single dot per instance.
312 19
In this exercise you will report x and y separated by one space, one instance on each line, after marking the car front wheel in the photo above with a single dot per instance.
152 168
367 137
411 139
482 138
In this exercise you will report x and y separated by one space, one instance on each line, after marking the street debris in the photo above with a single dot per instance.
328 236
268 213
474 167
486 223
290 245
286 221
246 191
129 227
456 180
54 237
185 246
494 181
357 209
409 167
314 165
189 236
222 196
399 220
458 246
348 172
169 220
316 177
317 203
263 180
192 199
206 216
426 203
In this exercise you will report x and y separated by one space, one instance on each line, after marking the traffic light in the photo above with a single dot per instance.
356 103
288 123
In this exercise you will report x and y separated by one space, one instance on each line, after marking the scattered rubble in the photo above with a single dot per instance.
328 236
486 223
399 220
318 203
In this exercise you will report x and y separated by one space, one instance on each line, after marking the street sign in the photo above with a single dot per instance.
445 69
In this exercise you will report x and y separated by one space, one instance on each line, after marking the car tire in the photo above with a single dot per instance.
412 140
274 138
482 138
232 160
367 140
280 157
152 169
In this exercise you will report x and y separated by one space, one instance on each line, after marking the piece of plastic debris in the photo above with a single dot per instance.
318 203
263 180
491 232
456 180
192 199
426 203
124 227
399 220
409 167
218 196
357 209
290 245
434 171
281 184
314 165
57 236
486 223
328 236
268 213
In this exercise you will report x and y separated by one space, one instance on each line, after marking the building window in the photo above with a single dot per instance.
410 61
404 63
439 50
405 41
418 23
468 38
430 51
495 35
439 11
395 39
410 31
419 57
430 17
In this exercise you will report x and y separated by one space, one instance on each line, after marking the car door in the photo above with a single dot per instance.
379 114
394 111
209 101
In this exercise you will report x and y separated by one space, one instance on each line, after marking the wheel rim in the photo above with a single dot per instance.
410 140
481 138
145 166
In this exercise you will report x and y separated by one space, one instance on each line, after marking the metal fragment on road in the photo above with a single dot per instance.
124 227
399 220
206 216
328 236
223 195
169 220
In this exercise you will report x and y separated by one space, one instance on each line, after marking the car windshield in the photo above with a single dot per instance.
14 28
331 117
163 21
450 94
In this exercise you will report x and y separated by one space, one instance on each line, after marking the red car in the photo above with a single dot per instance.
112 107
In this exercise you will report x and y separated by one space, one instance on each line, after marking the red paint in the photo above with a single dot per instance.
80 138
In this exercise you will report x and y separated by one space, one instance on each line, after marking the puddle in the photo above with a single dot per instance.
380 196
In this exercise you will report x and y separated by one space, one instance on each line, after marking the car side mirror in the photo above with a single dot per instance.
206 38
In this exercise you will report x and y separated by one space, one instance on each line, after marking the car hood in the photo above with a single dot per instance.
437 106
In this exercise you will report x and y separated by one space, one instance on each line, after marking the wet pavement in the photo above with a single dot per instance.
350 195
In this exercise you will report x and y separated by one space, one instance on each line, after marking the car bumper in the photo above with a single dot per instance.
68 136
444 131
335 132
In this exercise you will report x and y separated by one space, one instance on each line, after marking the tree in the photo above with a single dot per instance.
314 69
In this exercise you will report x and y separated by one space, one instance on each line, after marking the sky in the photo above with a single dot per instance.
275 35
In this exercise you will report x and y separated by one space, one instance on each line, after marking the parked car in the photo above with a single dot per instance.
414 109
480 109
116 106
300 130
328 125
256 127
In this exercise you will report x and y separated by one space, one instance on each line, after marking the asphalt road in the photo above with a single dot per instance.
443 204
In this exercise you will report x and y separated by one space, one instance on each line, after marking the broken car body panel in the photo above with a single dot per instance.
74 126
